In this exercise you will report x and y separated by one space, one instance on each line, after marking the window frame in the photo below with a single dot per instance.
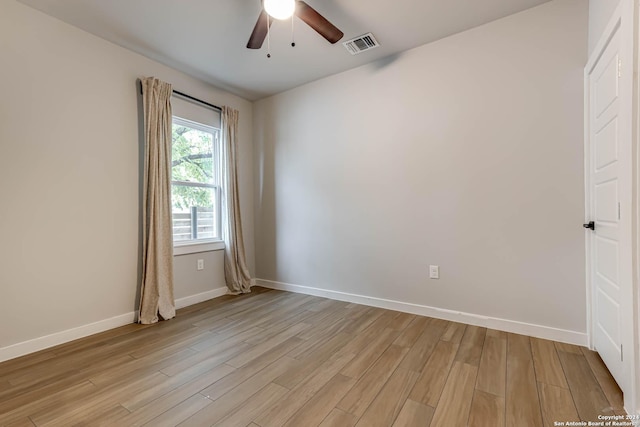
211 244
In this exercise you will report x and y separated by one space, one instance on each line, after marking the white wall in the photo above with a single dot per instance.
188 281
69 192
466 153
600 12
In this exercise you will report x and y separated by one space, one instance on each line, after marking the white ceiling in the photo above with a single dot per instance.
207 38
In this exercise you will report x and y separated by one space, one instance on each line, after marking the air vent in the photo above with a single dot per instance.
361 43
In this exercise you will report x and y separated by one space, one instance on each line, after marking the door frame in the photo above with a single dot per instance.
625 21
632 9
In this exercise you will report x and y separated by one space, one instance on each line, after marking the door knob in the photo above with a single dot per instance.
591 225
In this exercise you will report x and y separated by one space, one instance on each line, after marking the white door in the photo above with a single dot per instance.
608 185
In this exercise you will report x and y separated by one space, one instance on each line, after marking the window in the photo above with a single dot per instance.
195 183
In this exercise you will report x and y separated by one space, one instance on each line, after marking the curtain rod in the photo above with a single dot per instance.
184 95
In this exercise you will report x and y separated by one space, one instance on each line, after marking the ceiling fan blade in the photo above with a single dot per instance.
318 22
260 31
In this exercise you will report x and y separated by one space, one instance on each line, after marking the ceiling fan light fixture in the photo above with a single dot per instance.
280 9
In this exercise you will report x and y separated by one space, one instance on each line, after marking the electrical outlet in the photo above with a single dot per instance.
434 272
200 264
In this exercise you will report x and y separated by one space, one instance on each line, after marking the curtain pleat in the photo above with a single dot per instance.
156 294
236 272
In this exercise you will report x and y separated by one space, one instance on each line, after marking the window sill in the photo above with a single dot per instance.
194 248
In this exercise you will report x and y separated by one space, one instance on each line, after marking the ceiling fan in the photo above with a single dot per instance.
283 9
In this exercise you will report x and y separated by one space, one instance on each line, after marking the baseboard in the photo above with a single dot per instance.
42 343
538 331
204 296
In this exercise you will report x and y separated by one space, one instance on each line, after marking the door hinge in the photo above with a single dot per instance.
621 354
619 68
618 210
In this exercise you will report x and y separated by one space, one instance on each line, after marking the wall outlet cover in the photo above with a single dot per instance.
434 272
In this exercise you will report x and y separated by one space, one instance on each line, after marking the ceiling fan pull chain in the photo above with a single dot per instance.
268 37
293 40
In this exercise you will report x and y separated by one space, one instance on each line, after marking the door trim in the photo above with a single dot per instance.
624 22
634 11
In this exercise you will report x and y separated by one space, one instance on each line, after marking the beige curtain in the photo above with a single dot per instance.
156 294
235 264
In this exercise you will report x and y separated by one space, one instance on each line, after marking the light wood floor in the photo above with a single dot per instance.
274 358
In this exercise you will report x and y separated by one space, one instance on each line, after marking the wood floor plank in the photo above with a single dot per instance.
278 414
180 412
176 342
522 402
400 321
261 401
217 320
320 405
24 422
412 332
430 384
282 326
414 414
455 403
421 350
487 410
102 418
168 385
157 407
71 362
227 339
139 367
204 360
557 405
609 386
338 418
282 314
387 405
494 333
363 320
286 308
326 344
221 407
238 305
281 303
86 416
70 413
323 321
587 395
25 362
383 321
359 341
367 357
547 364
272 358
258 350
326 305
117 335
365 390
356 311
310 363
67 375
219 388
23 405
471 345
567 348
50 369
454 332
492 371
